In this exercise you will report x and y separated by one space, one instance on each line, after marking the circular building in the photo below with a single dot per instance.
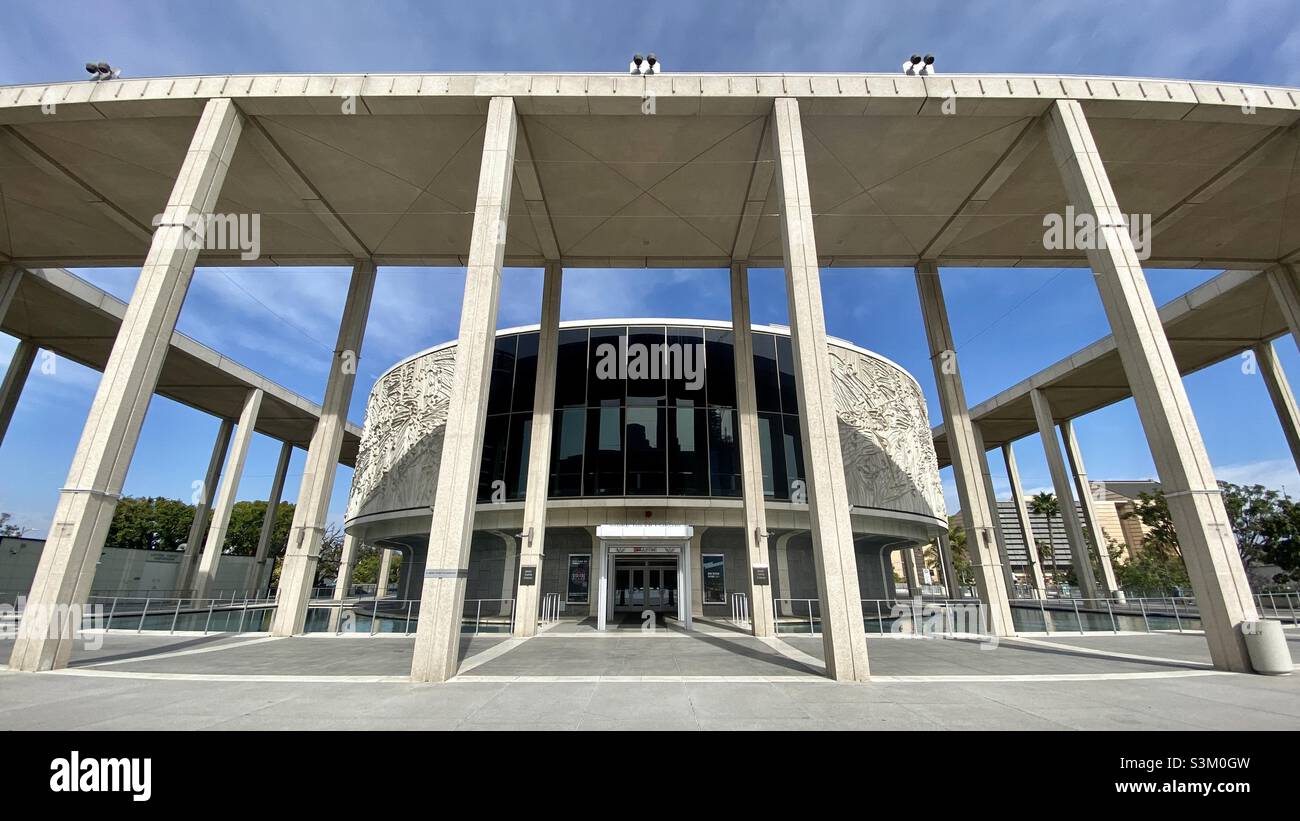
644 495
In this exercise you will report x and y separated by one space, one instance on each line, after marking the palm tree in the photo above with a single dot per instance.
1046 505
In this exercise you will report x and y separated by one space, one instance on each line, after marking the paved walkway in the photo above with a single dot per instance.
581 679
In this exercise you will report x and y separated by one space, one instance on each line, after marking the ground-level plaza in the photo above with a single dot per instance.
572 676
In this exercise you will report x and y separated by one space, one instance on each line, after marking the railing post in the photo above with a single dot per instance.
880 620
1077 618
1177 618
406 630
208 622
1142 603
810 618
111 612
243 614
1114 625
176 616
143 611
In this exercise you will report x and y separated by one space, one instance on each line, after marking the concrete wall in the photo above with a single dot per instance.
119 572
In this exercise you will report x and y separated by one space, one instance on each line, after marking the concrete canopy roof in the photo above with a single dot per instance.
84 166
60 312
1219 319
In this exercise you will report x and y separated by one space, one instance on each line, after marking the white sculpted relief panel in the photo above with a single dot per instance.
889 459
397 466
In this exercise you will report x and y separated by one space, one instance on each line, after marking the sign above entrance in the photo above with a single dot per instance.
644 531
622 549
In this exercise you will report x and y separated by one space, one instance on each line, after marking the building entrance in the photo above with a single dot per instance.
645 584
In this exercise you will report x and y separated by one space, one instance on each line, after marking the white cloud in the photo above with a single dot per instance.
1274 474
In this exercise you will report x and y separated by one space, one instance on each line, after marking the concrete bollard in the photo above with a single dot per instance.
1266 643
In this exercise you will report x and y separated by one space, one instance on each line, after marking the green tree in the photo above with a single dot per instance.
8 528
246 528
1265 523
1046 505
961 564
150 523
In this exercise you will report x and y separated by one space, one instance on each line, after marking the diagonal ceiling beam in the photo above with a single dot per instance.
29 151
1215 184
760 183
1021 147
303 189
534 199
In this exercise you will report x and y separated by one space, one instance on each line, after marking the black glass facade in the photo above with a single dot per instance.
641 411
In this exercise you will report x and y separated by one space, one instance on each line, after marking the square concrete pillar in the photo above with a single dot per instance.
257 575
437 637
385 570
1195 504
1079 557
533 549
20 365
995 516
965 451
843 632
226 499
1022 519
1285 283
1279 390
950 581
1087 505
751 462
89 496
203 507
298 571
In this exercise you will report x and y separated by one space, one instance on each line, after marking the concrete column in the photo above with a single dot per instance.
1000 538
257 574
226 499
89 496
1086 504
843 633
298 570
20 365
1278 390
533 550
437 638
751 474
911 572
1064 495
203 506
1195 504
950 580
385 569
1285 282
347 561
965 451
1022 518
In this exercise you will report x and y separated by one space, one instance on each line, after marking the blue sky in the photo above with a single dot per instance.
282 322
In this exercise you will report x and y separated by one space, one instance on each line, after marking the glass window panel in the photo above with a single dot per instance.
720 357
767 385
503 374
521 426
713 578
571 369
724 453
775 481
645 366
605 383
603 464
785 363
567 439
525 374
685 359
688 455
646 460
493 466
793 446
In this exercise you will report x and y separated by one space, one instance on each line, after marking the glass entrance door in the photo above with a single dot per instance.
645 584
